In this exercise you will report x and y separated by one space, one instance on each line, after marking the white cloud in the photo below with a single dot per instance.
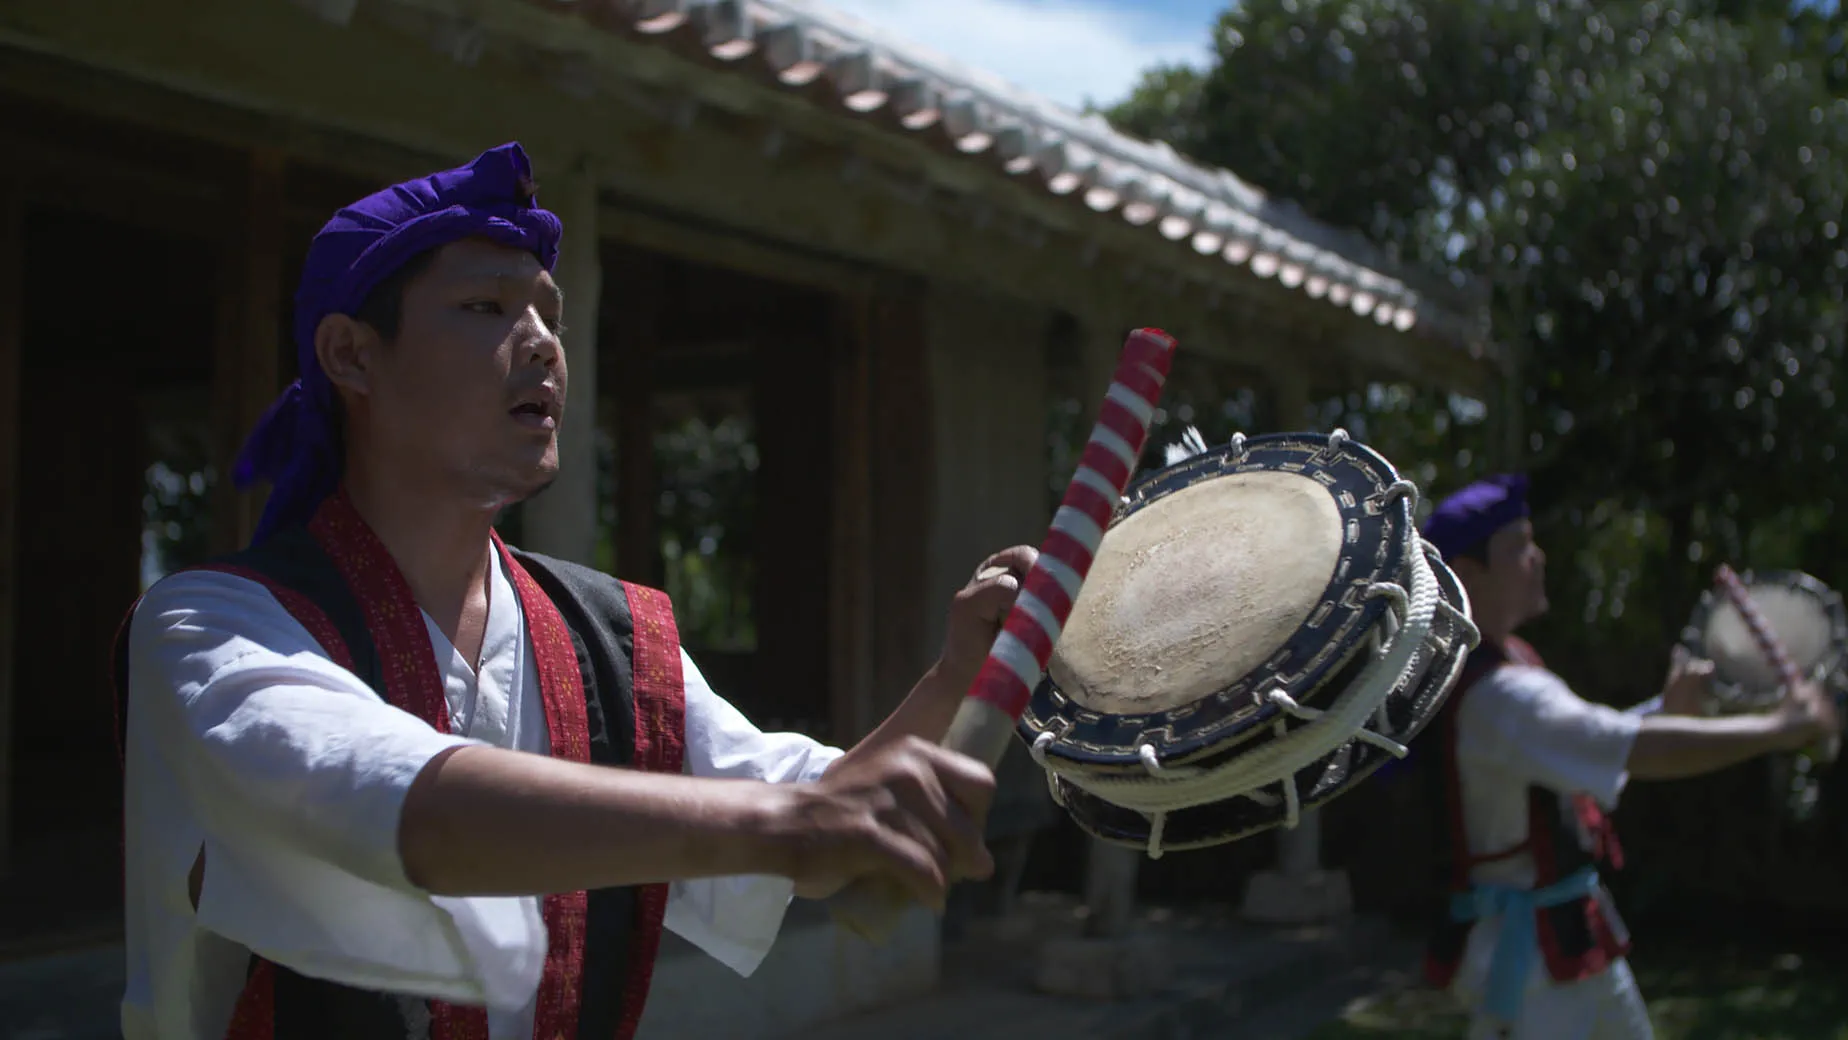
1065 50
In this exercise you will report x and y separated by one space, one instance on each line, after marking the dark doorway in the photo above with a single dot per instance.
739 420
115 480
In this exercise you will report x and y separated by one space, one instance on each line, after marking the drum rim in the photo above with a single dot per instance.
1440 674
1735 695
1104 739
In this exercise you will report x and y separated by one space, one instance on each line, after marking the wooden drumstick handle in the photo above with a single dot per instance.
985 720
871 909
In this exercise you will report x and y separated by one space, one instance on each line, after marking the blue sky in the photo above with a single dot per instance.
1067 50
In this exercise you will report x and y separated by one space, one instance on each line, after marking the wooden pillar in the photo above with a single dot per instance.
1290 399
852 713
562 521
1299 849
12 274
631 335
1297 890
1110 888
1300 846
901 487
1111 871
245 377
793 407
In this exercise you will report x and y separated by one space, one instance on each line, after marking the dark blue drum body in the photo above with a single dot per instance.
1088 717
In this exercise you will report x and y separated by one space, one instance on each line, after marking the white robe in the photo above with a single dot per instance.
1518 727
290 772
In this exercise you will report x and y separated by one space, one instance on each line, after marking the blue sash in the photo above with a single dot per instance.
1513 959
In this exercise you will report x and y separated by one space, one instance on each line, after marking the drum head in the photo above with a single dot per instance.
1225 576
1804 614
1201 589
1434 672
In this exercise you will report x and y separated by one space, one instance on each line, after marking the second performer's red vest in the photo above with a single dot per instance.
1578 939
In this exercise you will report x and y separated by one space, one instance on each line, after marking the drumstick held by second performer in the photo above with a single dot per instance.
1768 643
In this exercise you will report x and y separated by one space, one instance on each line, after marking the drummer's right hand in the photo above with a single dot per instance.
1809 714
907 811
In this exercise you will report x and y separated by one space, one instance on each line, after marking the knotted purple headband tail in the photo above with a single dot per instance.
293 449
295 446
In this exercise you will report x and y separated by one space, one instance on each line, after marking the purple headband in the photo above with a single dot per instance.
1469 517
294 445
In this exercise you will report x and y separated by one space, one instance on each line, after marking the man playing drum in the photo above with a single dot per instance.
363 757
1531 939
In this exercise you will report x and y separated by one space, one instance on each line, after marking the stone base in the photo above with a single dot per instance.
1102 969
817 972
1313 897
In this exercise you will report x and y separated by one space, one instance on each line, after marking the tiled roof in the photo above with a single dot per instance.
870 74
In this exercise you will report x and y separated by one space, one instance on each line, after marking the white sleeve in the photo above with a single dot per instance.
295 773
1652 706
1529 723
735 919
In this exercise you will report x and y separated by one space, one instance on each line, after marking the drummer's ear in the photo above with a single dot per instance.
1468 567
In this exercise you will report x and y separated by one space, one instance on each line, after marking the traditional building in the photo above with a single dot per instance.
823 290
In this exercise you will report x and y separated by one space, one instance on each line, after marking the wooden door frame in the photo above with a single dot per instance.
246 356
12 278
244 380
880 503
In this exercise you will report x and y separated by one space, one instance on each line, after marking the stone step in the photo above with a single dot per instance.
815 973
1216 974
1304 1009
75 995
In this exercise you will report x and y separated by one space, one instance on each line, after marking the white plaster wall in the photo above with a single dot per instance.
989 398
989 393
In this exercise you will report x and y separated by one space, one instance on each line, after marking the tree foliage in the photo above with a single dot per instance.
1654 192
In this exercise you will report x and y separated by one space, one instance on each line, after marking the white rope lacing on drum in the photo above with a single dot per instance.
1170 788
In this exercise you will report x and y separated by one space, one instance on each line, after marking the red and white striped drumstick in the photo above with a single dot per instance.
984 724
1020 653
1768 643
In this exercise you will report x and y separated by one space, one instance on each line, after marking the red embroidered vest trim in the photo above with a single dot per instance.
411 681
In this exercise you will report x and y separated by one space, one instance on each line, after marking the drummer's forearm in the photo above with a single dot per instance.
1673 747
486 821
1652 706
927 710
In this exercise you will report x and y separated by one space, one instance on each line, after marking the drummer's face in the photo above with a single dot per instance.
1518 567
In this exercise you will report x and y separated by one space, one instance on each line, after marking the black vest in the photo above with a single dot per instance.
596 610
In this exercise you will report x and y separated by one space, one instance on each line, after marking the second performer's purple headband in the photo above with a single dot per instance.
295 446
1469 517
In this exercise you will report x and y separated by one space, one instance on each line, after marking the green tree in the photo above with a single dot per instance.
1654 192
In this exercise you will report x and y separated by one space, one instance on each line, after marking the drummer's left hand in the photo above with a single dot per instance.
978 610
1689 684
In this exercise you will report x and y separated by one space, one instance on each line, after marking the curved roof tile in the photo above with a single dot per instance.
873 74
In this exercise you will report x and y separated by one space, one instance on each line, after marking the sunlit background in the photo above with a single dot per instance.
1655 192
